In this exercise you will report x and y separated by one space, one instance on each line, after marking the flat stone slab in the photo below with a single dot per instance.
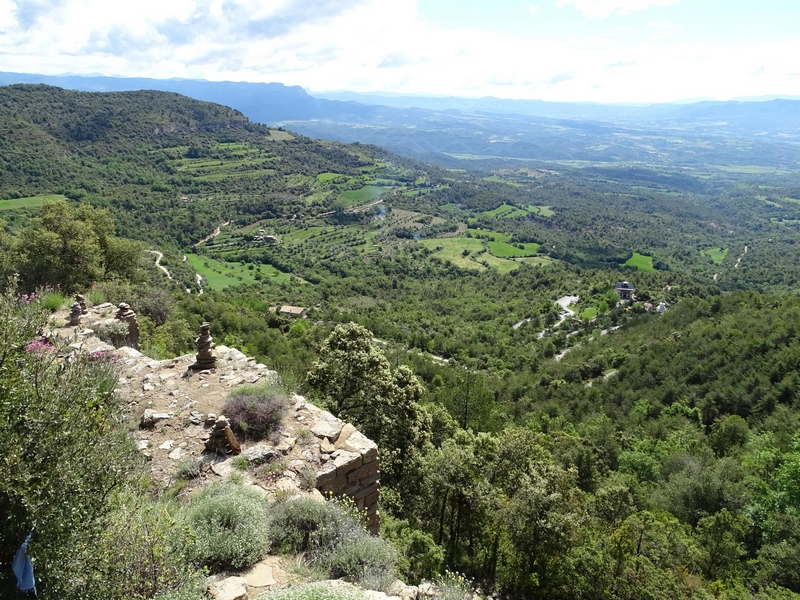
232 588
327 429
260 576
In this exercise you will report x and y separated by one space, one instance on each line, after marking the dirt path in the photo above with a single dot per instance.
439 359
213 234
739 260
199 279
564 302
159 256
363 207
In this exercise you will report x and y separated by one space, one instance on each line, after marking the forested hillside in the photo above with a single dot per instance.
537 434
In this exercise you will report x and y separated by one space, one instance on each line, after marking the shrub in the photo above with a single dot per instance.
363 558
255 410
141 550
52 477
333 536
419 556
52 300
113 332
230 524
314 591
190 468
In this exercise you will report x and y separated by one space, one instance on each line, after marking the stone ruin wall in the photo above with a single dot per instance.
350 463
345 462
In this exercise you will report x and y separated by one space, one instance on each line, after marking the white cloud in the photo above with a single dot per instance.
533 9
380 45
603 8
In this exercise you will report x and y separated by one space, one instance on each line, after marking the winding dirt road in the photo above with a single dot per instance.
159 256
213 234
739 260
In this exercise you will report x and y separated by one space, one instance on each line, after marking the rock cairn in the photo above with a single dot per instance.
75 315
221 437
126 315
80 299
204 359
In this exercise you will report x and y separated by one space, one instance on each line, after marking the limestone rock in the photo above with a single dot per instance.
327 429
326 446
345 434
128 352
260 576
261 453
231 588
205 360
151 417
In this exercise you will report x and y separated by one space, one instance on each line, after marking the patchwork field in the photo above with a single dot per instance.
640 261
29 202
363 195
505 250
493 236
505 211
454 249
715 254
219 274
542 211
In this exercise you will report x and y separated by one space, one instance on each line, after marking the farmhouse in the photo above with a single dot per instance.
264 238
295 312
624 290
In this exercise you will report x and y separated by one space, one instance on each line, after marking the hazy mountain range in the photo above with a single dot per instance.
765 133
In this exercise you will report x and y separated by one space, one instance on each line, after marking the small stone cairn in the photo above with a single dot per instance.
75 315
204 359
80 299
126 315
221 437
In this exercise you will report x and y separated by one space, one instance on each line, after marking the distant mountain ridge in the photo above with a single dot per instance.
764 133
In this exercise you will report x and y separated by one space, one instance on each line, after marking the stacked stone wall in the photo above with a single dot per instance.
349 461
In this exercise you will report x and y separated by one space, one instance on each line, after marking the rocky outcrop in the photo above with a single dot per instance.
180 417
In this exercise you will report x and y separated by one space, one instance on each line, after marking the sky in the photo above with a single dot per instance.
560 50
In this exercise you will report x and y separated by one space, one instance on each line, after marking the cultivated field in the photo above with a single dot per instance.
29 202
640 262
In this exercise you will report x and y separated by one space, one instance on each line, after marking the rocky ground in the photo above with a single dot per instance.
173 411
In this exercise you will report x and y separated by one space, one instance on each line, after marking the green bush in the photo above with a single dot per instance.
230 523
418 555
193 589
142 551
255 411
314 591
52 300
369 560
65 450
333 536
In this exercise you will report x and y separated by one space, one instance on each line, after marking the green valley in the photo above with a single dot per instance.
537 433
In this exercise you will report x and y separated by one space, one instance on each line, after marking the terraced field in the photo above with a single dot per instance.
29 202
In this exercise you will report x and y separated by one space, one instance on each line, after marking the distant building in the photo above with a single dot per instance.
264 238
295 312
624 290
662 307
